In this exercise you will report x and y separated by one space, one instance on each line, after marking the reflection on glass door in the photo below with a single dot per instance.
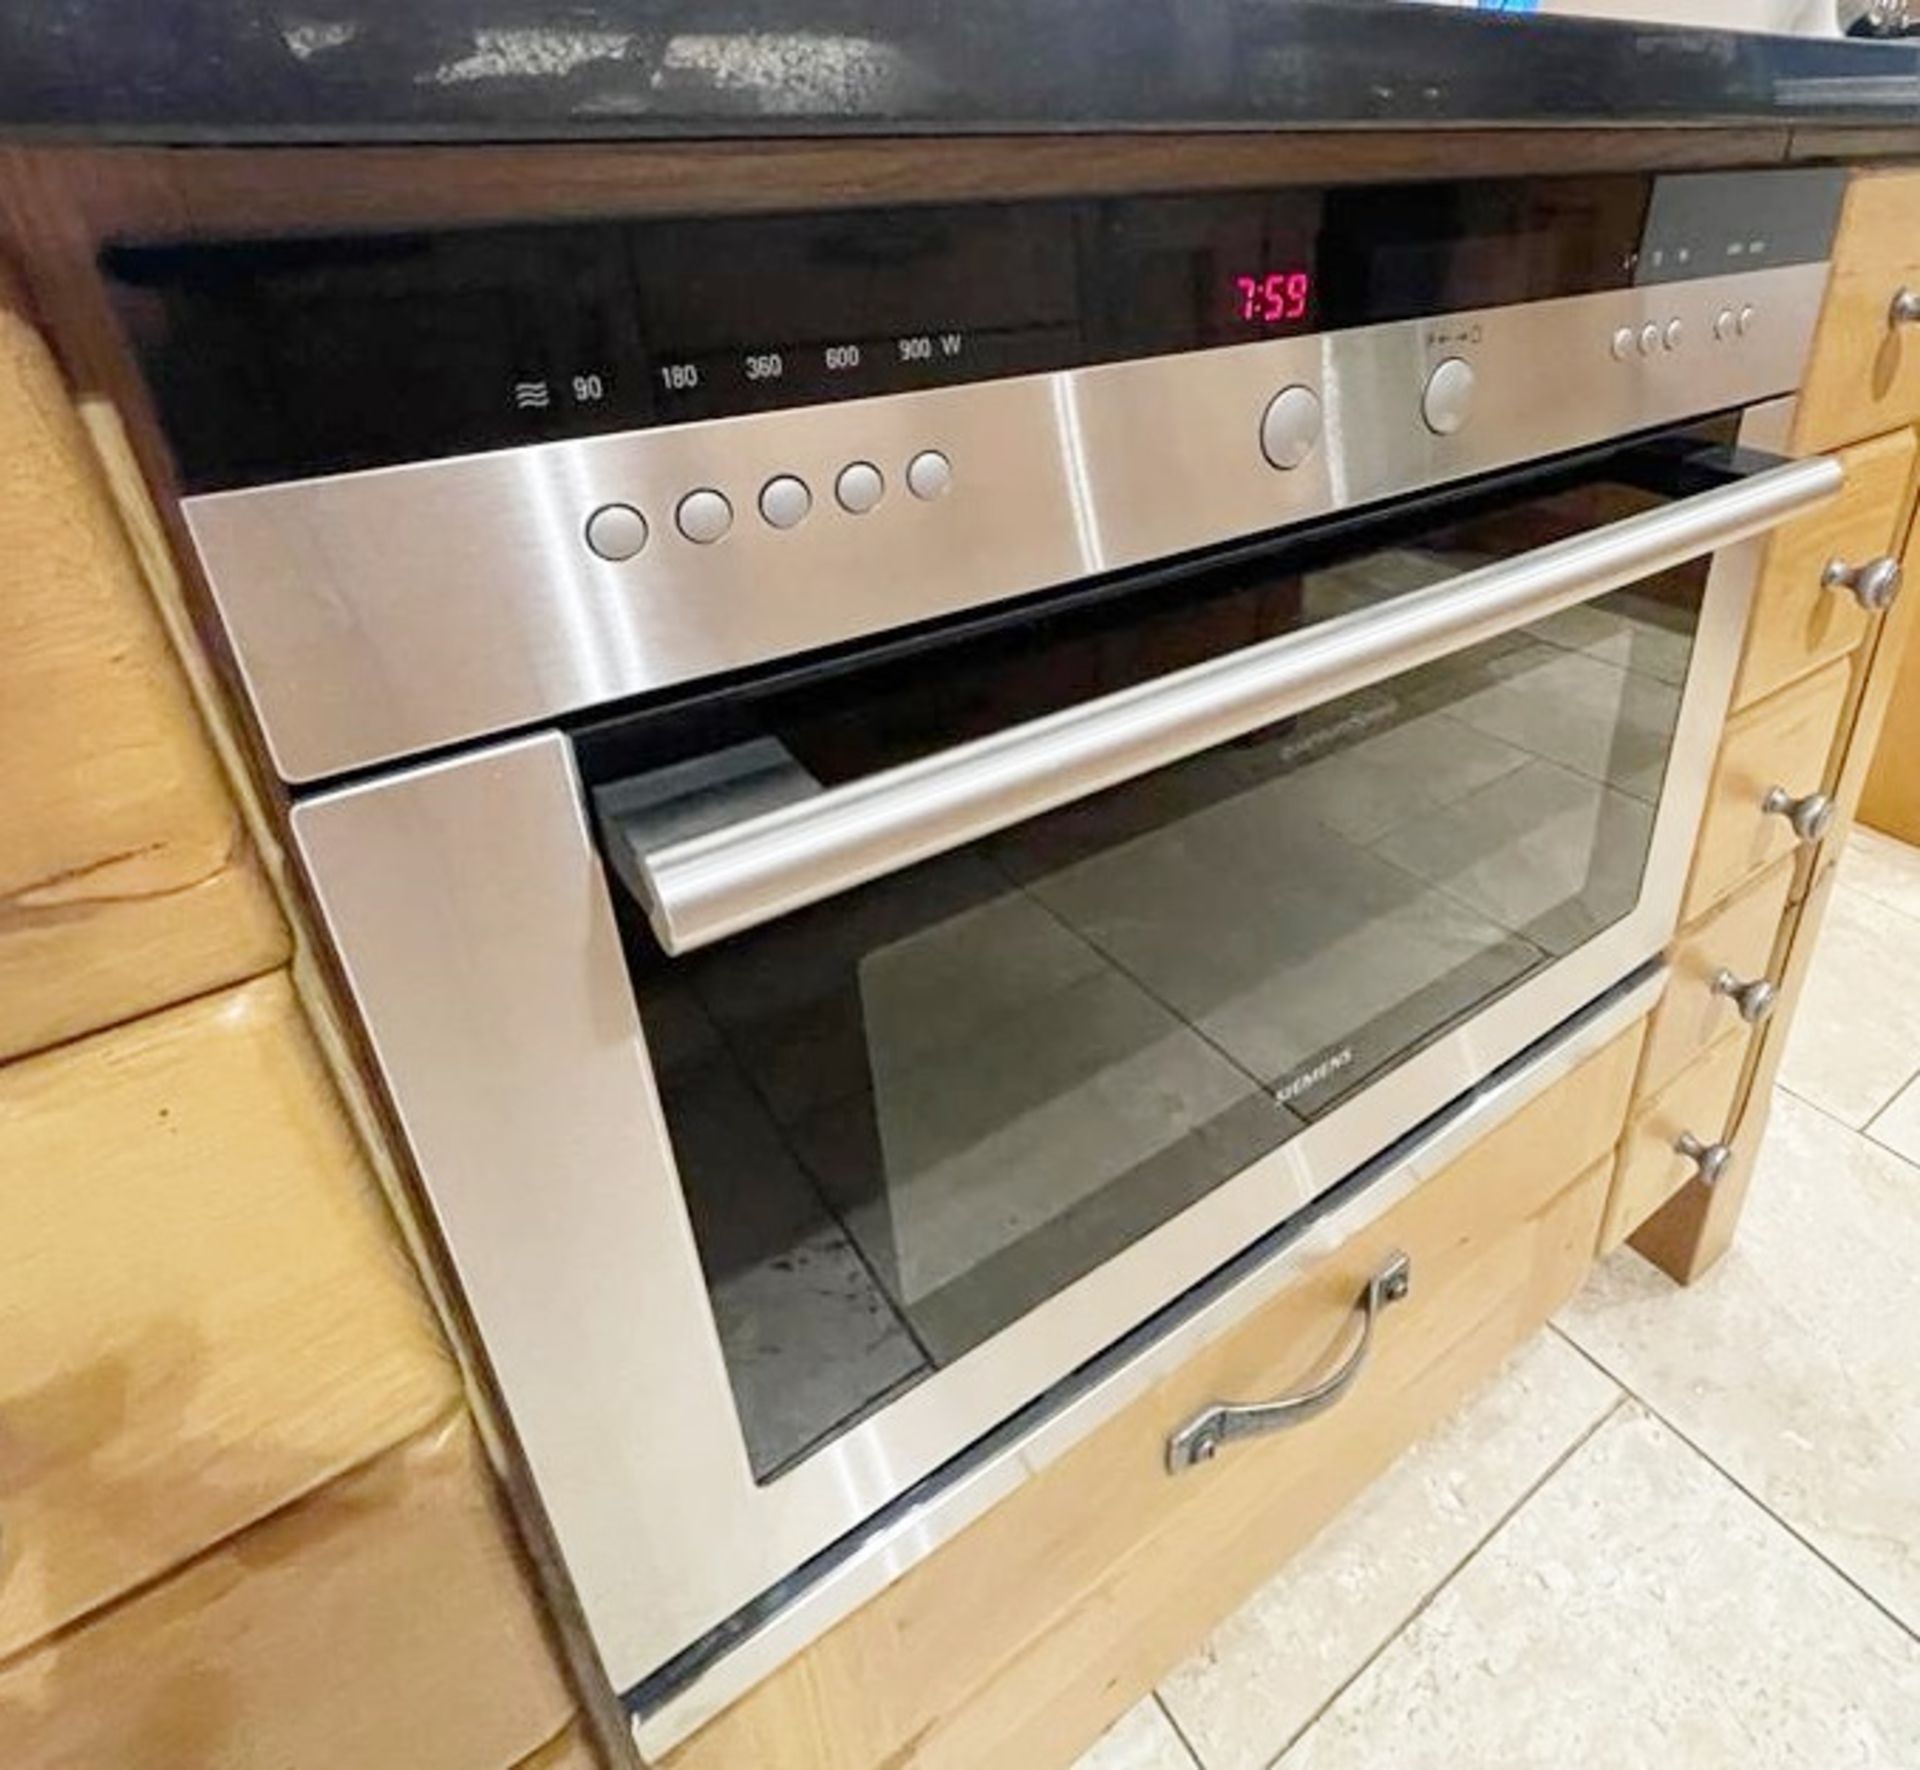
905 1117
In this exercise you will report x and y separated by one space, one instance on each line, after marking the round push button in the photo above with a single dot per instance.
1290 427
616 531
1622 344
785 501
704 516
1672 334
1744 324
1448 401
1723 324
859 487
929 474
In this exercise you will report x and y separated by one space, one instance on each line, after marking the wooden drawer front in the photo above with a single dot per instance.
205 1317
1698 1102
126 881
1864 376
1027 1634
379 1624
1737 936
1797 622
1785 741
1891 797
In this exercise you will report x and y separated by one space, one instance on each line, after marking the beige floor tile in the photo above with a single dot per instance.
1265 1672
1856 1033
1881 868
1792 1363
1142 1739
1897 1125
1638 1610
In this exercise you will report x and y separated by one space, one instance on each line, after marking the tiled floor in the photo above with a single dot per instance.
1682 1528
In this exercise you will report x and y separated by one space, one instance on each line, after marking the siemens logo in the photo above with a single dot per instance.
1296 1085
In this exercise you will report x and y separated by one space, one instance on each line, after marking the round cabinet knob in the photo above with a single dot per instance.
1709 1159
1811 815
1752 1001
1290 427
785 501
929 474
1874 584
704 516
616 532
1904 309
859 488
1448 401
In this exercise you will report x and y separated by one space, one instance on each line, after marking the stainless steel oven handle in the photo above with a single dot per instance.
705 888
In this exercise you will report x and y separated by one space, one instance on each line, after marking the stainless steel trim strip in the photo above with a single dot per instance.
909 1539
378 614
708 887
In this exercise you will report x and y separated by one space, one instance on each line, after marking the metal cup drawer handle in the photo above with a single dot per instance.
1709 1159
1753 998
1200 1439
1874 582
1811 814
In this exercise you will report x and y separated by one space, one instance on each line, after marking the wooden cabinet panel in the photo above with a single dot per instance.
379 1624
202 1314
1864 374
1738 935
1020 1640
571 1751
1891 801
1698 1101
1688 1234
1797 622
126 882
1785 741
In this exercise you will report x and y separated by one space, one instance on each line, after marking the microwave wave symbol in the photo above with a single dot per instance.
532 396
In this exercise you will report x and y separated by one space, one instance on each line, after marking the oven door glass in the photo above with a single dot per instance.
906 1116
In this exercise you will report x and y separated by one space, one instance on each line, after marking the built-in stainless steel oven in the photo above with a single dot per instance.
908 797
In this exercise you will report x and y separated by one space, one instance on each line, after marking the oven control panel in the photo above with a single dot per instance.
283 359
405 558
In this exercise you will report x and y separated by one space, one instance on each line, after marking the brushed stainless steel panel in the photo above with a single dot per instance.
376 615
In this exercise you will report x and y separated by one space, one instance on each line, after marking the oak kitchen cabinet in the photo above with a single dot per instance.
240 1427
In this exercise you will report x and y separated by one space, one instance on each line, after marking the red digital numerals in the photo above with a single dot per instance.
1274 297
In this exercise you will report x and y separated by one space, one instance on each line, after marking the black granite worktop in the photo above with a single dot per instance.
362 70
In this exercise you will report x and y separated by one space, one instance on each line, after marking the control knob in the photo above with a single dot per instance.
1447 402
1290 427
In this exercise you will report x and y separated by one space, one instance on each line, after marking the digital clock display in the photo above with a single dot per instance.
1272 297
